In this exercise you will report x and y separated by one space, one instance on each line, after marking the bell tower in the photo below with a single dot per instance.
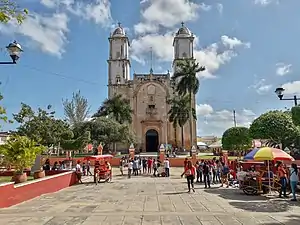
183 45
118 62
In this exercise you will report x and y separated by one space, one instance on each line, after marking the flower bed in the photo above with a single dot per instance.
12 194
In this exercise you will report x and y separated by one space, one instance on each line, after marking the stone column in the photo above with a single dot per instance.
162 153
131 151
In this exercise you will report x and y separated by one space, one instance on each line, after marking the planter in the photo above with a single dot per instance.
19 178
39 174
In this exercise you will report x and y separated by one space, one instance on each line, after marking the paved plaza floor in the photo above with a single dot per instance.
146 200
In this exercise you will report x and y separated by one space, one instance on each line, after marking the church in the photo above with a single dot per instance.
148 92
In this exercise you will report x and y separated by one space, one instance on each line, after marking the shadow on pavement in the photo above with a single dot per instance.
234 194
256 203
293 220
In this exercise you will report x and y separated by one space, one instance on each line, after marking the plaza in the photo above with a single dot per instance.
146 200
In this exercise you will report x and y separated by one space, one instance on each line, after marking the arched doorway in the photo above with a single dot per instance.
152 141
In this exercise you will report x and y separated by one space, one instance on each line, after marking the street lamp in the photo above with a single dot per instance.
280 91
14 50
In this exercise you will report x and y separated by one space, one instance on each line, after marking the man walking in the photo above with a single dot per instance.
206 174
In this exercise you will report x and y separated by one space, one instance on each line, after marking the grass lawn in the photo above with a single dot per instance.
5 179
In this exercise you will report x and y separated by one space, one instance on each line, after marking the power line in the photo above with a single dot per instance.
60 75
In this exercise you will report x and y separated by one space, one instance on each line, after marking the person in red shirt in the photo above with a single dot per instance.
189 172
282 174
149 164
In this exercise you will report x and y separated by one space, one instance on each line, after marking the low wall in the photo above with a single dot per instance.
12 194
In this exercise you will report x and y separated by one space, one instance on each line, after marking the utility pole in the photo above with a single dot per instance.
234 118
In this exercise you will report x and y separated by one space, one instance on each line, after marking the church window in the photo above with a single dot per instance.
184 55
118 79
151 106
118 55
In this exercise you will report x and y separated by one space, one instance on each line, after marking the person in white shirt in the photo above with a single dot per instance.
167 167
294 180
78 171
130 167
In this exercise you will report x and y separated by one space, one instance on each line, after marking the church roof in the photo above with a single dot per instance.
183 31
119 31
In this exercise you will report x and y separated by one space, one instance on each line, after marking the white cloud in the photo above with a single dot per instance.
261 87
167 14
292 88
212 57
205 7
203 110
283 69
220 8
97 11
263 2
232 43
46 32
211 122
161 46
49 3
49 31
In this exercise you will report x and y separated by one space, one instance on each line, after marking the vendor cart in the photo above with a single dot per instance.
101 172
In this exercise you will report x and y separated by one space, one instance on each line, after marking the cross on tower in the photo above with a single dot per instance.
119 24
182 23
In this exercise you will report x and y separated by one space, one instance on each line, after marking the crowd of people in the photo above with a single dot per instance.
144 165
207 172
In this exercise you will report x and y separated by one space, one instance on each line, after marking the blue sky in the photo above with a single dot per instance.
247 46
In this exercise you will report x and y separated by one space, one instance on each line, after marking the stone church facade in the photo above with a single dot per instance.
148 92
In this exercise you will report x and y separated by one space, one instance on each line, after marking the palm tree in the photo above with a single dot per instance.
117 107
179 113
187 83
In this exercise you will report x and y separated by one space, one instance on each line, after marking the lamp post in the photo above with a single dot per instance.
14 50
280 91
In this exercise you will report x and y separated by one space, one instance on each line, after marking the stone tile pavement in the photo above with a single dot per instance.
146 200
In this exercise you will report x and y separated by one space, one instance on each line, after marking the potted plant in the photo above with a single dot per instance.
21 152
38 170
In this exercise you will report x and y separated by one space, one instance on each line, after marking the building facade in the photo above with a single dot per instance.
148 92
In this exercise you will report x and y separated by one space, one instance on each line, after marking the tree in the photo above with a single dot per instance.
277 127
107 131
41 126
78 142
296 115
179 113
188 84
77 109
3 116
9 10
236 138
118 108
20 152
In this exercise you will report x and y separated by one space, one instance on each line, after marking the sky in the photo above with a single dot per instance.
247 46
